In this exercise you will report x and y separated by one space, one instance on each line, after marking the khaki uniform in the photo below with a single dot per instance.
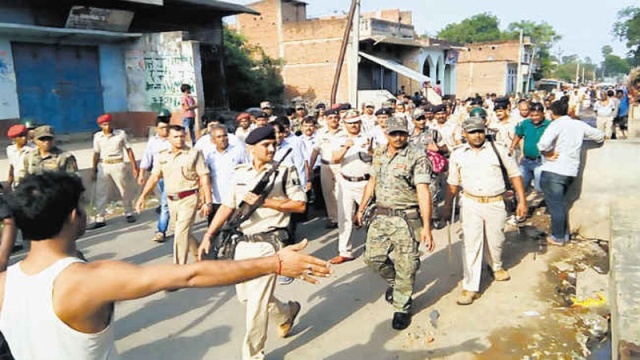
181 172
111 149
329 171
396 179
483 212
56 160
354 173
257 294
16 159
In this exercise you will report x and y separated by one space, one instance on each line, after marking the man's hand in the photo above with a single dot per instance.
427 239
357 219
140 205
204 247
251 198
349 143
136 173
295 264
140 178
521 209
307 187
551 156
205 210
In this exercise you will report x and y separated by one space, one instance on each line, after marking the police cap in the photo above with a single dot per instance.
260 134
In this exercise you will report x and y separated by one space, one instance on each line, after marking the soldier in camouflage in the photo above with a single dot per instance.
400 183
48 157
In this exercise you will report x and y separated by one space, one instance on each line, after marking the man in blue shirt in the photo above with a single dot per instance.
623 114
531 129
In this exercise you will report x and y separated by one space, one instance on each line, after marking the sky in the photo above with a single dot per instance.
585 28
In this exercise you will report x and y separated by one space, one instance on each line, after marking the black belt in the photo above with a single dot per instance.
534 158
356 178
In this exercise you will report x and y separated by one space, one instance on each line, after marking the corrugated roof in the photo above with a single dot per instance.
220 5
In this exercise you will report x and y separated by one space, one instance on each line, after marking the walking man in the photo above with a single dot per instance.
156 144
109 146
185 175
189 106
354 154
561 145
264 232
400 183
47 157
71 302
16 153
475 167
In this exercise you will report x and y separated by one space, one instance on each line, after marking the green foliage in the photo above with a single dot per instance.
485 27
627 28
478 28
615 65
607 50
252 76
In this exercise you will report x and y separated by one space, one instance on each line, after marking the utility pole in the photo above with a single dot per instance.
519 71
577 72
354 57
343 49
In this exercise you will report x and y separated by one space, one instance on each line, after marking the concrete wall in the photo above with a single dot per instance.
9 108
113 78
481 77
156 65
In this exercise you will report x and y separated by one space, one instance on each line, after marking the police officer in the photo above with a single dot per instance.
47 156
109 146
264 232
185 174
400 184
16 153
475 167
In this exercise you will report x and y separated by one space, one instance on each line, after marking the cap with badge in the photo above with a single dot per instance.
352 116
17 130
345 106
260 134
369 104
261 114
397 123
321 106
501 103
473 124
43 131
418 114
384 111
300 107
331 112
265 105
105 118
438 108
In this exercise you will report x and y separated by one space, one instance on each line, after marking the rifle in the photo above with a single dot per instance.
224 245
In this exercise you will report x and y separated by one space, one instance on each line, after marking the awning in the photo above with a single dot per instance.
20 32
400 69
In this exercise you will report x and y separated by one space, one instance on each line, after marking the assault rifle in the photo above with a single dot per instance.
224 244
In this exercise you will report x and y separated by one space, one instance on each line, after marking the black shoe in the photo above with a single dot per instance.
438 224
131 219
96 225
401 321
158 209
332 225
388 295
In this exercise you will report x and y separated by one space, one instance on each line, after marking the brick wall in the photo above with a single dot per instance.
261 30
481 77
496 51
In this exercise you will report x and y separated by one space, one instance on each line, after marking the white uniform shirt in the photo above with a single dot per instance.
221 167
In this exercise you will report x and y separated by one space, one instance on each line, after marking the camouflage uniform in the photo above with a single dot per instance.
396 179
57 160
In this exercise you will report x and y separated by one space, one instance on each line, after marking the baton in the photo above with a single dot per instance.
453 216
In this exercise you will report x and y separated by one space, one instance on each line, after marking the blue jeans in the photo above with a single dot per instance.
188 124
163 220
530 170
554 187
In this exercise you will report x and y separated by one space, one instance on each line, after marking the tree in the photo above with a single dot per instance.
627 28
607 50
478 28
542 35
252 76
615 65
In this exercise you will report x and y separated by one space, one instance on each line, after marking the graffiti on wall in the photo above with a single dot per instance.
159 77
6 68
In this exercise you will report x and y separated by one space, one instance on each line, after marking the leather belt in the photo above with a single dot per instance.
327 162
385 211
112 161
485 199
533 158
181 195
356 178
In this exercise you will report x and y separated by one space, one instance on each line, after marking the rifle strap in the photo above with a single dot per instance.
503 169
263 196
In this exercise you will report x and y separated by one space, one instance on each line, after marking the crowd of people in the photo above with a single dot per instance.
396 169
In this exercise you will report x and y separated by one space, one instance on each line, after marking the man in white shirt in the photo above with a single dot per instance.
16 152
378 133
221 157
368 117
561 145
244 126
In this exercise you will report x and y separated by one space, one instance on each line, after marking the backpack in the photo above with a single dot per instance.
439 163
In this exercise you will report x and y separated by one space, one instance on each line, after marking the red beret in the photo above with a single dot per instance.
104 119
16 130
243 115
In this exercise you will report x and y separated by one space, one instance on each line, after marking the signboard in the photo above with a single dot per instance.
451 58
85 17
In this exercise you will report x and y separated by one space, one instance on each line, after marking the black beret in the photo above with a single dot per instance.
345 106
476 101
331 112
259 134
438 108
384 111
261 114
501 105
321 106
